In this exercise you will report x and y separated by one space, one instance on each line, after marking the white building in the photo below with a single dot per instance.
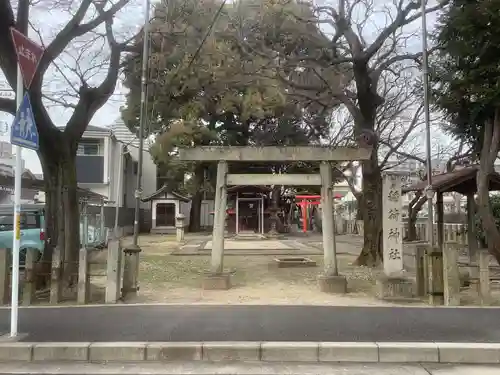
107 164
7 169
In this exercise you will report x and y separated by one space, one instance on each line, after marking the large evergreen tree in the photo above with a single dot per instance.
466 87
203 91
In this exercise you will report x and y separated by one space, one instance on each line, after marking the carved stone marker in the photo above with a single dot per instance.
392 225
394 285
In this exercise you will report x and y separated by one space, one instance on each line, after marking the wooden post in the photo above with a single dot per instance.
435 276
113 271
440 220
451 275
471 235
29 276
421 270
83 277
5 262
130 272
484 278
55 276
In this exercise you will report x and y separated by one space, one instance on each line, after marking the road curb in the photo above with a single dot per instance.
381 352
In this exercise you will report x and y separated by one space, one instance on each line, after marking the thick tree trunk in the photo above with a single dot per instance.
359 211
371 254
489 154
195 212
62 219
365 118
274 218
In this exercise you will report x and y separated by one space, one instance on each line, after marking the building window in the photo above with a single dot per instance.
89 147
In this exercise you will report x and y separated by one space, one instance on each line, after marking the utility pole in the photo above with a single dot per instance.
131 271
425 82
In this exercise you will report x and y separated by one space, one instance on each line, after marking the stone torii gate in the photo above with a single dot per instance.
330 280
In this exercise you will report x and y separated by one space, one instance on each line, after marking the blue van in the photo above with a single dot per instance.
32 229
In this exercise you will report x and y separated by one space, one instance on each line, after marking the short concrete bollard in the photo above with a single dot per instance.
113 271
5 261
131 271
435 276
484 278
179 227
421 270
29 276
83 277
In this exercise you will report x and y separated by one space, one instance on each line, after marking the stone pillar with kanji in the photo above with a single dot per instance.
393 285
392 226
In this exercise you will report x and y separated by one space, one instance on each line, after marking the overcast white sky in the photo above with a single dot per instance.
50 22
129 20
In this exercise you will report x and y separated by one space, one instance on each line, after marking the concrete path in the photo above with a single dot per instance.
256 323
204 368
251 247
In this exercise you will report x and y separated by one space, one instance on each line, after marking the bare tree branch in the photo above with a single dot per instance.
60 102
402 18
73 29
91 99
402 153
410 128
8 60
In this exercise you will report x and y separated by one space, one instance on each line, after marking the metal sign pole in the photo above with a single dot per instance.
14 312
425 82
23 134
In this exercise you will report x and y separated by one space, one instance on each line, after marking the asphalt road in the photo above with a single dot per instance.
256 323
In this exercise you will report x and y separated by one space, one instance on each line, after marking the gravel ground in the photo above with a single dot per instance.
165 278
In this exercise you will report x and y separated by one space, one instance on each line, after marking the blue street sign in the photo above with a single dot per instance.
23 131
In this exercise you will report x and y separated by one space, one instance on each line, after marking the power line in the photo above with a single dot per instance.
192 60
207 34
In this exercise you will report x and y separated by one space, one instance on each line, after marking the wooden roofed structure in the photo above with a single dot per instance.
462 181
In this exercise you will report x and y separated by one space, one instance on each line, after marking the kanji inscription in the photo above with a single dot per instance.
392 225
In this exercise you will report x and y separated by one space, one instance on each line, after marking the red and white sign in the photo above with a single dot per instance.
28 55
